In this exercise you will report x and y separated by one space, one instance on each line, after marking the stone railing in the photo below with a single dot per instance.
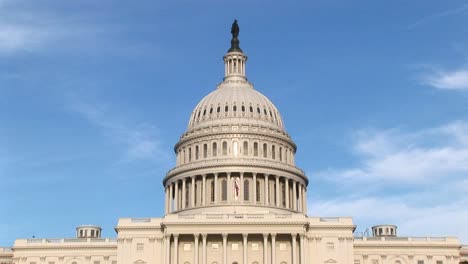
256 161
6 250
235 216
415 239
63 240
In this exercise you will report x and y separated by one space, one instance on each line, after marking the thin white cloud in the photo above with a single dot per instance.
412 220
417 180
139 140
448 80
417 158
430 18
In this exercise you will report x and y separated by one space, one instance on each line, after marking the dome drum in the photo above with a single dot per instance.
236 188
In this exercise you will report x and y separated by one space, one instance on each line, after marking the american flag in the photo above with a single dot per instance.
236 189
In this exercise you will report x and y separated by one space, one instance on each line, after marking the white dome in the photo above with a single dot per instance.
235 103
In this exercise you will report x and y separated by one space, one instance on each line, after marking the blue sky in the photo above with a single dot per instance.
94 94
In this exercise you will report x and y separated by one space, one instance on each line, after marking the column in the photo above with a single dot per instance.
192 196
295 195
183 194
195 261
265 248
176 249
305 199
301 204
241 192
204 248
277 193
229 188
273 248
286 188
265 200
171 199
168 249
254 188
204 192
299 200
293 242
225 248
176 196
302 248
216 188
244 248
166 202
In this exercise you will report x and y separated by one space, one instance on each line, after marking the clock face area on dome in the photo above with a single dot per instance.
236 153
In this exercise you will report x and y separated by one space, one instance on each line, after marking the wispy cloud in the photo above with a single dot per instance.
448 80
28 27
421 175
420 157
442 14
139 140
413 220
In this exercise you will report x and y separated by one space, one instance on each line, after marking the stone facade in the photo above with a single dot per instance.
235 196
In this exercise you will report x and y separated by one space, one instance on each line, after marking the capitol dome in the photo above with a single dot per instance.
236 154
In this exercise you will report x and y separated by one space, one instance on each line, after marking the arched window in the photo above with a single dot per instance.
189 154
246 148
258 110
243 108
211 110
197 152
257 191
246 190
281 154
273 152
283 195
226 108
251 109
234 108
196 193
212 191
255 149
204 112
265 150
224 148
205 151
215 149
224 190
218 109
187 194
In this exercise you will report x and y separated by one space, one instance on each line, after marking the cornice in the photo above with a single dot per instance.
209 135
236 162
64 247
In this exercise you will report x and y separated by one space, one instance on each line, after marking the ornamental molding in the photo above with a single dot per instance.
406 246
65 247
179 173
225 223
209 136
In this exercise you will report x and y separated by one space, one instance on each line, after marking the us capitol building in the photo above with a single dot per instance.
236 196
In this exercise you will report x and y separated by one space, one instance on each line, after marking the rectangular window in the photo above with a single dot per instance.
420 261
140 246
439 262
